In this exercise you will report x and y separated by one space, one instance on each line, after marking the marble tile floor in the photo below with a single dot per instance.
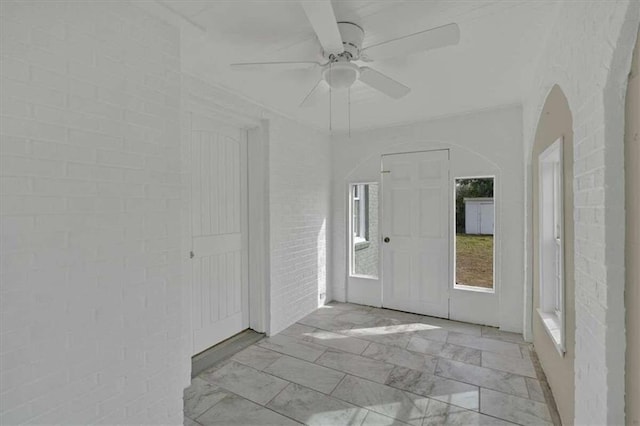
348 364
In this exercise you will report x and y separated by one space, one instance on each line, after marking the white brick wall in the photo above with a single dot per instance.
299 174
588 56
91 287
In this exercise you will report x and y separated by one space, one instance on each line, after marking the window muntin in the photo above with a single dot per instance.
360 211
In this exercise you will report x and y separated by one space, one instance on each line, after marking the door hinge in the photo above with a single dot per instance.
191 255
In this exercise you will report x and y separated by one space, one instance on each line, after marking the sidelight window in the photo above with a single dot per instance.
363 241
474 242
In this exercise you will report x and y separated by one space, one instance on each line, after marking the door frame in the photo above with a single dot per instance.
449 286
256 132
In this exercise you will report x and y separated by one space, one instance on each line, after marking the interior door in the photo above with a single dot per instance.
415 230
219 228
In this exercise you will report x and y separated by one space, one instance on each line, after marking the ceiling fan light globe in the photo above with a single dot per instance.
341 75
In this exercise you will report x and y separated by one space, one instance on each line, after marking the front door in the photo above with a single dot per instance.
219 229
415 232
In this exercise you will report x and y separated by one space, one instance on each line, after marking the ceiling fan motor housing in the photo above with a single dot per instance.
341 73
352 36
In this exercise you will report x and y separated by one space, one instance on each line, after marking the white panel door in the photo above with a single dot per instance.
486 218
472 218
415 219
219 229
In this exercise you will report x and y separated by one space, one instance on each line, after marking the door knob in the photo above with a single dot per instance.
386 239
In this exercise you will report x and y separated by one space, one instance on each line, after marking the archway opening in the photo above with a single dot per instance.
553 249
632 249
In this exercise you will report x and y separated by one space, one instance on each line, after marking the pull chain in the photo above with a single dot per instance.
330 101
349 112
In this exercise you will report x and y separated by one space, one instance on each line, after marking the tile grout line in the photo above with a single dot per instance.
313 390
444 357
391 387
277 394
434 399
315 364
330 331
356 375
218 402
515 396
274 411
485 387
338 385
257 403
254 402
365 349
320 365
294 356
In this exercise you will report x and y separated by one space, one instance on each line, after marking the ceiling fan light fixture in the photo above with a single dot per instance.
341 75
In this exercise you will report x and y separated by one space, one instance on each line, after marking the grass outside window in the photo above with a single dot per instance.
474 260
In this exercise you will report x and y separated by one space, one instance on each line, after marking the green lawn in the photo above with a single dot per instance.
474 260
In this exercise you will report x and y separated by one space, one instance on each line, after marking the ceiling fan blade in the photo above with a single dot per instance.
315 94
323 21
434 38
381 82
275 66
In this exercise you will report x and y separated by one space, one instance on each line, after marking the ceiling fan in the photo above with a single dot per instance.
342 45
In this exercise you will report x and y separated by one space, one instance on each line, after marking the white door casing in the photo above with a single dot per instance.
219 230
415 218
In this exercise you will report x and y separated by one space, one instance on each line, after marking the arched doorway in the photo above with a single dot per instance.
556 355
632 206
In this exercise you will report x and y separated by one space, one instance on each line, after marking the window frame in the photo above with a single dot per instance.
551 239
465 287
361 223
352 238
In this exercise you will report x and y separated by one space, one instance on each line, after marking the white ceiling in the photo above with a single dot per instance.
492 65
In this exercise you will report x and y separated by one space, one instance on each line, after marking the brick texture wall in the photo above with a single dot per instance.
299 174
91 287
589 56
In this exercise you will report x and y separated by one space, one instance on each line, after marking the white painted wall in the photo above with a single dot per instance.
91 323
482 143
589 56
299 176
